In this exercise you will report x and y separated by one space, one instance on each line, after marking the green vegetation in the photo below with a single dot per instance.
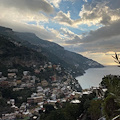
111 107
117 59
17 56
19 96
4 107
94 111
68 112
111 102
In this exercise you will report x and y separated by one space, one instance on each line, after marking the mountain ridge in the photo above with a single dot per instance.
14 55
75 63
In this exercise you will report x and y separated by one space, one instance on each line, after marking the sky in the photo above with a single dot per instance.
87 27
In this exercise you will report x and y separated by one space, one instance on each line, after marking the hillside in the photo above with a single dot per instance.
75 63
12 54
58 54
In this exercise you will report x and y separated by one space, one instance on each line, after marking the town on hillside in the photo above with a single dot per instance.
27 93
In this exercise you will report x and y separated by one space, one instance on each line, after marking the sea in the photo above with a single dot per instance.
93 76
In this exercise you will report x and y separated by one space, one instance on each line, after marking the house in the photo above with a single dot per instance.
25 73
30 100
13 70
54 78
49 63
44 83
37 71
4 84
86 92
75 101
18 82
13 84
40 94
3 79
54 66
11 75
63 100
29 85
77 95
11 101
58 68
52 102
38 99
23 107
41 104
53 96
33 78
10 116
15 107
34 95
50 66
23 85
17 89
46 65
39 89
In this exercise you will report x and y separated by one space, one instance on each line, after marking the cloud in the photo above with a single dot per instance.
67 32
99 11
104 39
55 2
101 46
63 18
104 33
40 31
75 40
92 13
15 15
25 10
69 36
114 4
28 5
85 0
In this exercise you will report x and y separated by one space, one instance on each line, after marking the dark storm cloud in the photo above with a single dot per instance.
98 46
114 4
104 39
28 5
102 46
103 33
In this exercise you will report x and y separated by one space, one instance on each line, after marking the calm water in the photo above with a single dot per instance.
94 76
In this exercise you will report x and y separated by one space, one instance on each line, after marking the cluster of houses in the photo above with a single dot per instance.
57 88
61 88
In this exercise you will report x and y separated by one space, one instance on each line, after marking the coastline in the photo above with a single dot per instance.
93 76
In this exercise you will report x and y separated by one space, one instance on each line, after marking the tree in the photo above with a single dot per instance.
95 109
110 107
117 58
48 108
